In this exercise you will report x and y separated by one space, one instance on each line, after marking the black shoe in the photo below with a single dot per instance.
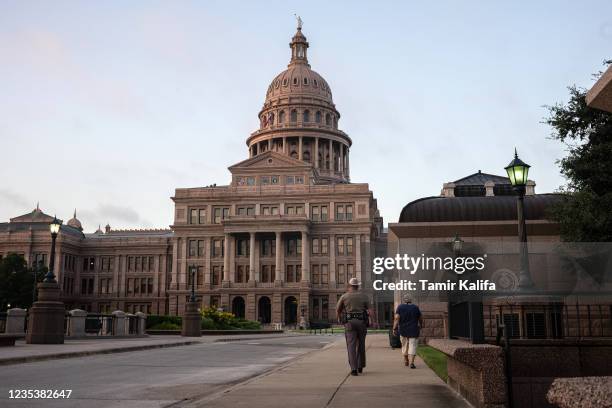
412 365
354 372
360 370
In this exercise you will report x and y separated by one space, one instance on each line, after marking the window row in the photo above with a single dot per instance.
141 264
139 286
267 180
270 119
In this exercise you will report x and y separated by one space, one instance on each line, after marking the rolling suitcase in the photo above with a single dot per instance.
394 341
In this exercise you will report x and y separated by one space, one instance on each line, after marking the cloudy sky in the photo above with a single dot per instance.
109 106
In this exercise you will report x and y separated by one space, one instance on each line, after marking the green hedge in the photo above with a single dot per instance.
212 319
155 320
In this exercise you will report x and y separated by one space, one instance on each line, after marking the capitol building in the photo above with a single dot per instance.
276 244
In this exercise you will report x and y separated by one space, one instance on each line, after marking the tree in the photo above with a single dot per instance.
585 212
17 281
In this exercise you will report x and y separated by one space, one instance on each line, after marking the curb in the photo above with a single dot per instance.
31 359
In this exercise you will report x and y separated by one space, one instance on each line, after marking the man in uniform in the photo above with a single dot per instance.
353 310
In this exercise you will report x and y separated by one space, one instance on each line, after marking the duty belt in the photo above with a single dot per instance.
355 316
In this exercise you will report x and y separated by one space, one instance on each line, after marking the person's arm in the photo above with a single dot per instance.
420 319
339 309
396 320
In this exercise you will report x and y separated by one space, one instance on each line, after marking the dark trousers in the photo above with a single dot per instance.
355 332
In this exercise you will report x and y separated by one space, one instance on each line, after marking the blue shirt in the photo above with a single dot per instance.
409 319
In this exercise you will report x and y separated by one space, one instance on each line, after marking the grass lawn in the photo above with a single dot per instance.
435 360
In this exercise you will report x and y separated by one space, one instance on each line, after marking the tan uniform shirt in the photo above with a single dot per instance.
353 302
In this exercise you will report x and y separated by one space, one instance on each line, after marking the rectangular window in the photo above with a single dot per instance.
340 246
193 216
315 213
324 274
242 247
350 272
268 247
290 180
217 249
349 212
200 248
324 216
349 245
202 216
290 275
324 246
339 212
193 248
316 274
315 246
90 287
341 274
217 274
298 273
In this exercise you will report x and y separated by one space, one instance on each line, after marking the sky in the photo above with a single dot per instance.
109 106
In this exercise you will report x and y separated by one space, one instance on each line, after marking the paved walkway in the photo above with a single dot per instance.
25 353
321 380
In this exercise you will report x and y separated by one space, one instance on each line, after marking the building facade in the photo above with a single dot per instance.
277 244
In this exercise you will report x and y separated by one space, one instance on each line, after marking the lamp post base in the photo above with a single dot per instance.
191 321
46 319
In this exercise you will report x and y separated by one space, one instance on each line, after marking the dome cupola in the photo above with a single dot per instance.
74 222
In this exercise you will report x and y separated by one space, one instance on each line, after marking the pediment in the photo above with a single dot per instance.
269 160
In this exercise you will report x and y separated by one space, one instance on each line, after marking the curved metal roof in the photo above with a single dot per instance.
496 208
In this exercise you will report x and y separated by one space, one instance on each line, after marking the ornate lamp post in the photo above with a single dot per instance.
54 227
517 173
457 244
191 318
46 320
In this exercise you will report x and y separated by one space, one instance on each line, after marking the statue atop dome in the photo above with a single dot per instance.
299 21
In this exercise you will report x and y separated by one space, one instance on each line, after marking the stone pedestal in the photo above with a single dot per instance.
191 321
46 320
76 328
15 321
142 323
119 323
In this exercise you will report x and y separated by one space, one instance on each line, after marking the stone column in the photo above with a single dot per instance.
332 261
183 271
226 258
270 144
207 265
252 266
46 320
305 257
358 256
348 167
285 150
331 154
15 321
232 259
77 323
116 275
341 160
367 264
278 268
316 153
300 149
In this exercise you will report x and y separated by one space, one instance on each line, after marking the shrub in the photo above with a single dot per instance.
154 320
165 326
221 320
208 324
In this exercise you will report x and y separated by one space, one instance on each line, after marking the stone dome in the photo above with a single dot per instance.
74 222
299 79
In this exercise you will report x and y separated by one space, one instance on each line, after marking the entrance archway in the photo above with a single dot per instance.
238 308
264 310
291 309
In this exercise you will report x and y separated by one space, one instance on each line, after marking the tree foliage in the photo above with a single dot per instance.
585 213
17 282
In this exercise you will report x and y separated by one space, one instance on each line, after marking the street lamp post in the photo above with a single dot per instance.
457 246
191 318
517 173
46 316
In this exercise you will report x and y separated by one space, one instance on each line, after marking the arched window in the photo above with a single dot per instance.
295 81
285 82
294 116
328 119
294 154
305 81
318 117
335 122
327 161
271 119
306 116
281 117
306 156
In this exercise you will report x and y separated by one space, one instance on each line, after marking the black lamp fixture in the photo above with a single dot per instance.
54 228
457 244
518 171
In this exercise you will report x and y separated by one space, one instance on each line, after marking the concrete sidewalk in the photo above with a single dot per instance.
26 353
321 380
